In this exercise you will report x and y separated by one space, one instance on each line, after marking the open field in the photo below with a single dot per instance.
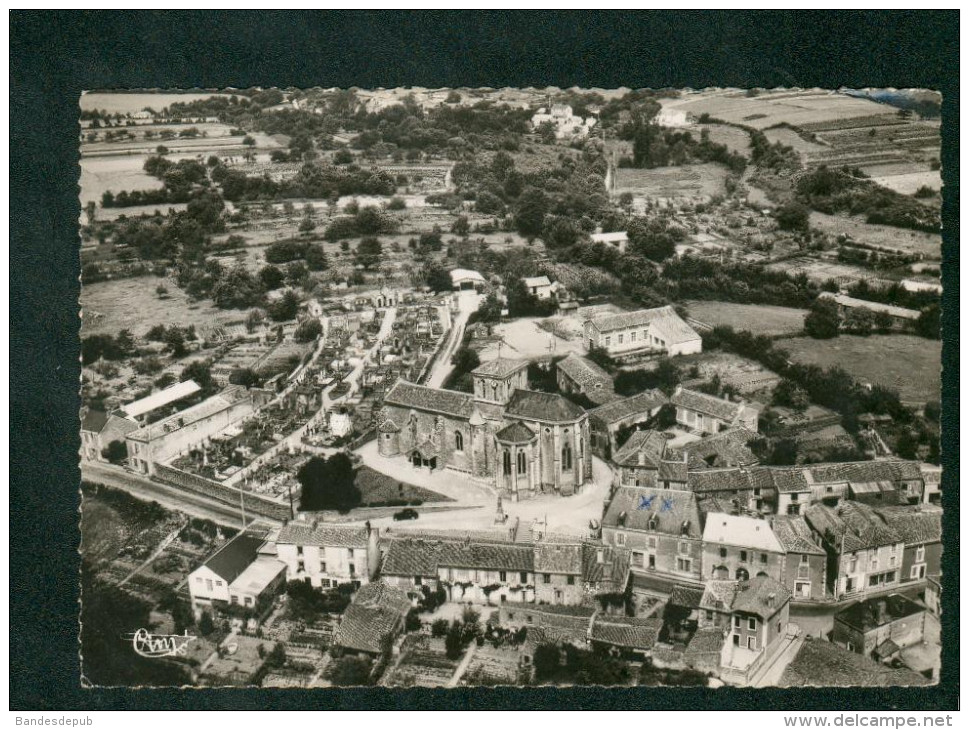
115 173
906 363
761 319
791 138
888 237
686 181
768 108
109 306
131 103
736 140
908 183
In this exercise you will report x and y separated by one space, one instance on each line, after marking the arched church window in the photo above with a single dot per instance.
522 465
506 463
566 458
458 441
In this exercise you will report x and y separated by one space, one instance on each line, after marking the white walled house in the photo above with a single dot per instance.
211 584
538 286
326 555
644 331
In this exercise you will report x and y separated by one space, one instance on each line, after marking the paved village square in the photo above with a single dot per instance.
478 387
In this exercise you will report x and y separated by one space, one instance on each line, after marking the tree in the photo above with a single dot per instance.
271 277
788 393
175 340
328 484
437 278
205 624
531 211
296 273
823 321
254 318
465 360
793 216
316 259
342 156
308 330
929 322
284 308
547 661
454 641
907 445
201 372
115 452
307 225
246 377
249 141
859 321
350 671
369 252
439 628
461 227
237 289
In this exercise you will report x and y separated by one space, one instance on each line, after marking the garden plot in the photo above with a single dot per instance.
745 375
789 137
423 663
492 666
686 182
908 183
905 363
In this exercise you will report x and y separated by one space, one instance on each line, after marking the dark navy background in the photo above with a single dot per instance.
54 55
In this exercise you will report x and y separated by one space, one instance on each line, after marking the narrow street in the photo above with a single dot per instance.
167 496
468 302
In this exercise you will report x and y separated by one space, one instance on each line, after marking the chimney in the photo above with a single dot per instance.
367 525
678 390
771 600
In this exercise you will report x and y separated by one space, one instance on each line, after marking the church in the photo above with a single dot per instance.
525 442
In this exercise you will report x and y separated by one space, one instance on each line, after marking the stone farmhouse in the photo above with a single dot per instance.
524 442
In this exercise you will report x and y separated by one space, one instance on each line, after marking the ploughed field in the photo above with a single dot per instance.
906 363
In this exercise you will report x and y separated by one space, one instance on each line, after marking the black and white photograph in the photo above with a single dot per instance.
472 387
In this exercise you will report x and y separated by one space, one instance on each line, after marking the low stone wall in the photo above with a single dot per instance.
254 503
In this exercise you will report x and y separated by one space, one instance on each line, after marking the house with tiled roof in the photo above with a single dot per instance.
708 414
606 420
526 442
865 553
661 529
645 461
821 663
240 574
98 429
645 331
880 627
373 620
326 555
632 636
741 547
494 571
577 374
805 563
730 448
760 613
920 526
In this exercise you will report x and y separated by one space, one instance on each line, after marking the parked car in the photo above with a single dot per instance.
406 514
